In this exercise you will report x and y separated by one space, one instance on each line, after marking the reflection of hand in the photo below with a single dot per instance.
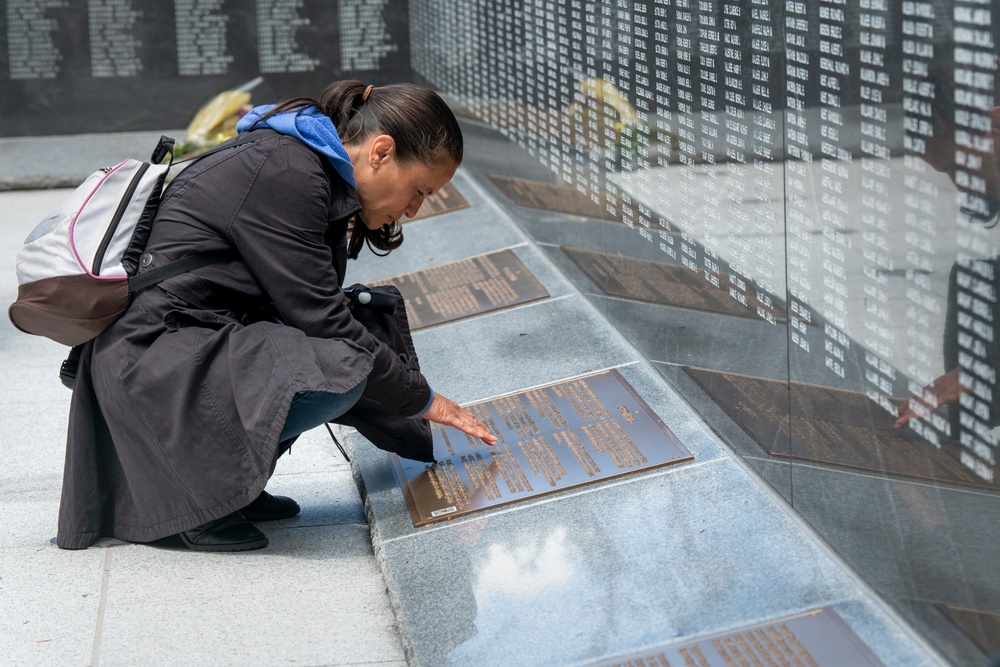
942 391
448 412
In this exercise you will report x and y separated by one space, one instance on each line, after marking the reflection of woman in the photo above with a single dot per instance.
978 178
183 405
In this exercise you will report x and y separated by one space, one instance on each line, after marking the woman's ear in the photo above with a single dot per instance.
382 149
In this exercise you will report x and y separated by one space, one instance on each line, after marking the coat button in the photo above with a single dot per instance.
145 260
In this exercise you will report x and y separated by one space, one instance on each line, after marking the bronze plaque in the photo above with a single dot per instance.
818 638
445 200
551 197
466 287
829 425
551 438
982 627
672 285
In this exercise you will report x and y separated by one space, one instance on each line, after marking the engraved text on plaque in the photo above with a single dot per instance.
818 638
466 287
548 439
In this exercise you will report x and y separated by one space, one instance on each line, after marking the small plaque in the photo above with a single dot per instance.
551 197
818 638
445 200
831 426
982 627
549 439
671 285
466 287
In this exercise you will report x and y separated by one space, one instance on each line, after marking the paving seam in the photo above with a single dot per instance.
95 655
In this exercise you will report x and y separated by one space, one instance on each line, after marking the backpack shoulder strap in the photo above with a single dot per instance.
142 280
175 268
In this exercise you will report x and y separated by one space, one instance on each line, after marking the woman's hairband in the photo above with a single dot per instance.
368 91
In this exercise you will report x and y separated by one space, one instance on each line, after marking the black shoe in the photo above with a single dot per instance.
230 533
270 508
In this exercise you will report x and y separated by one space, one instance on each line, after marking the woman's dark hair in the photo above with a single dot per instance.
424 128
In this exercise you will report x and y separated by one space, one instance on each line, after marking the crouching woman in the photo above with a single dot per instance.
182 406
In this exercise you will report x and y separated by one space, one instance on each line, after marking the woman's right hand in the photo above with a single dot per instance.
448 412
942 391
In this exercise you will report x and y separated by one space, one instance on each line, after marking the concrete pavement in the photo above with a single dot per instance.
314 596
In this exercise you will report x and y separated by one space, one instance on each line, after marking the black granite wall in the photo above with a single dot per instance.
79 66
790 207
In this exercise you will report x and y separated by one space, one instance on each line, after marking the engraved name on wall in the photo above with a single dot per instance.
85 66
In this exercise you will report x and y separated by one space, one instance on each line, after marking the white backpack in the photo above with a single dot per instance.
78 266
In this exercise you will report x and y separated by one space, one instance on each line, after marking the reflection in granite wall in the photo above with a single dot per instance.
827 170
78 66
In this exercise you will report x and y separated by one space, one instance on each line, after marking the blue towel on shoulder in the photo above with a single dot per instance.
310 126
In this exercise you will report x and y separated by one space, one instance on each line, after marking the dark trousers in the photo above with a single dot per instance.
309 409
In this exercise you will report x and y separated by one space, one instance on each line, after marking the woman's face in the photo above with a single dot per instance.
389 189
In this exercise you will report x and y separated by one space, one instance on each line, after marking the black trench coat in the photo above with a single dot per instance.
178 406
